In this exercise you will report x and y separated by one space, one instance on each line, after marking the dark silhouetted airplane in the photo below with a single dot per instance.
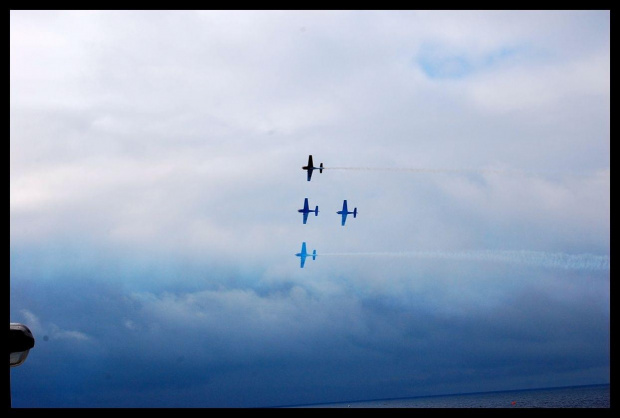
311 167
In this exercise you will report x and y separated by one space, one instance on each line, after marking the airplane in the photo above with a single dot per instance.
311 167
303 254
344 212
307 210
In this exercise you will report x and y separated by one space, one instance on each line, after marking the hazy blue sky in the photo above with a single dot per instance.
155 177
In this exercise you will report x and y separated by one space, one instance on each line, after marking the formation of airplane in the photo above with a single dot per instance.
303 254
344 212
310 167
306 210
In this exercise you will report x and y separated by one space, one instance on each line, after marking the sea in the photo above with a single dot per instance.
591 396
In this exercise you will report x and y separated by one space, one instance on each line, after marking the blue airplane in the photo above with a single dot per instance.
303 254
306 210
344 212
311 167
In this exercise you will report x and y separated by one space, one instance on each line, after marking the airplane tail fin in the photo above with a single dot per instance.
314 254
321 168
316 211
355 213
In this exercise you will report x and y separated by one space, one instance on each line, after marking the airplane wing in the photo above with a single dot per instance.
306 204
310 167
345 212
305 217
303 254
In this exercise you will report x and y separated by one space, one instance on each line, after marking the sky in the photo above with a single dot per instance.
155 178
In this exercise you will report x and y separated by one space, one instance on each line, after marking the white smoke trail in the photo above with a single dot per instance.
532 258
511 172
421 170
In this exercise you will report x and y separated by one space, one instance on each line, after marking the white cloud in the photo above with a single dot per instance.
45 330
177 132
540 88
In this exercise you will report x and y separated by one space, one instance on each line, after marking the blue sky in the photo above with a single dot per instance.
155 170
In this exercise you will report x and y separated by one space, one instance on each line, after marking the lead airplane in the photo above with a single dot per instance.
311 167
306 210
344 212
303 254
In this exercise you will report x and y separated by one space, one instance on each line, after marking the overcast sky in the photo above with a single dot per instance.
155 177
